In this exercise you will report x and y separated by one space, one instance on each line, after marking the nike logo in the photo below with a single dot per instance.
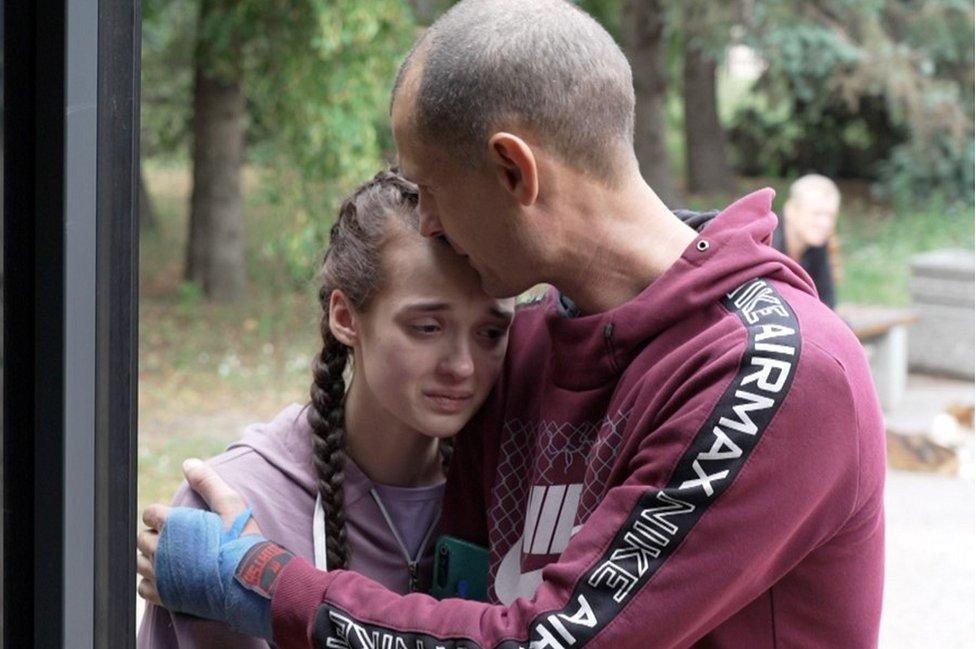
548 528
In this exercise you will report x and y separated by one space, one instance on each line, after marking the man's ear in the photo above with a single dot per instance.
343 320
515 166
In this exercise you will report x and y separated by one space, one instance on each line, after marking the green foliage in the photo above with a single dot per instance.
168 38
190 295
877 247
316 75
780 130
940 171
607 12
325 108
802 58
890 82
789 141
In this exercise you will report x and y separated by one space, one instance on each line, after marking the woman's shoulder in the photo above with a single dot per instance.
271 459
240 467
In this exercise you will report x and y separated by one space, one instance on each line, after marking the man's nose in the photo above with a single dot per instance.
430 225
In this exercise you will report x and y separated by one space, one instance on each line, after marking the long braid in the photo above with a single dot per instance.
327 420
352 264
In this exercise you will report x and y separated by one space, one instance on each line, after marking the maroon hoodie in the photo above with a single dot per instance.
700 466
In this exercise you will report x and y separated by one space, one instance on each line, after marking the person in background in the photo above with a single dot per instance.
806 231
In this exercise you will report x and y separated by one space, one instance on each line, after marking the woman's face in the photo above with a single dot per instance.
431 342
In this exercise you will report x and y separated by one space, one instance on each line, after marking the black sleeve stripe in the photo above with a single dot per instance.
336 629
662 518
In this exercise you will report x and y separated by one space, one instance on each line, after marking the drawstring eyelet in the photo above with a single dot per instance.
702 245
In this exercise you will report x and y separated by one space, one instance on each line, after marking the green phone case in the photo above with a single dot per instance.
460 570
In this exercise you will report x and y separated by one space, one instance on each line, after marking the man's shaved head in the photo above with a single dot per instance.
541 65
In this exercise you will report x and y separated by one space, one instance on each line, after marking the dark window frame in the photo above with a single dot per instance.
70 273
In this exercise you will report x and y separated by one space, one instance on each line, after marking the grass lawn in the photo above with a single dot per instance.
877 245
206 370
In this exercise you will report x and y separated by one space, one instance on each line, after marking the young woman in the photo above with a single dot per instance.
355 478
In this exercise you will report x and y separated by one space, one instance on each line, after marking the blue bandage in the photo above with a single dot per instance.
196 562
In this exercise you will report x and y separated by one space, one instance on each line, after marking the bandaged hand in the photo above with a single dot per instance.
211 564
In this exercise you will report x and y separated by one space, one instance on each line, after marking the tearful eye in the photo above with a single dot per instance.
426 328
493 334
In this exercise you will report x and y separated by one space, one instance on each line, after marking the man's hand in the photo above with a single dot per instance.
220 498
218 495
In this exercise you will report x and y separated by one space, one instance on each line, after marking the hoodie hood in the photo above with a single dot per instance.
731 248
285 443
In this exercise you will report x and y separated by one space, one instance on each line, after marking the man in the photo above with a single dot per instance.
807 230
685 448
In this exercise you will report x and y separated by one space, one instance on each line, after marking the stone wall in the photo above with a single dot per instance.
941 287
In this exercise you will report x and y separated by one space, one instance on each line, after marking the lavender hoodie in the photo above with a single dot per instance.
271 468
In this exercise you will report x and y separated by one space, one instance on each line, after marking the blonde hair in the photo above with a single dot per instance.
814 185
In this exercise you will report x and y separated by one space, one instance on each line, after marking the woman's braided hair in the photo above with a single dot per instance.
352 264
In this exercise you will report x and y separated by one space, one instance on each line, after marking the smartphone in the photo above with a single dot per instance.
460 569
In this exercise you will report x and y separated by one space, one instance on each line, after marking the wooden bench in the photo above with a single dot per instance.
884 333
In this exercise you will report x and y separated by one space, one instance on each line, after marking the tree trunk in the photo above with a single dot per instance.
645 23
708 169
215 246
